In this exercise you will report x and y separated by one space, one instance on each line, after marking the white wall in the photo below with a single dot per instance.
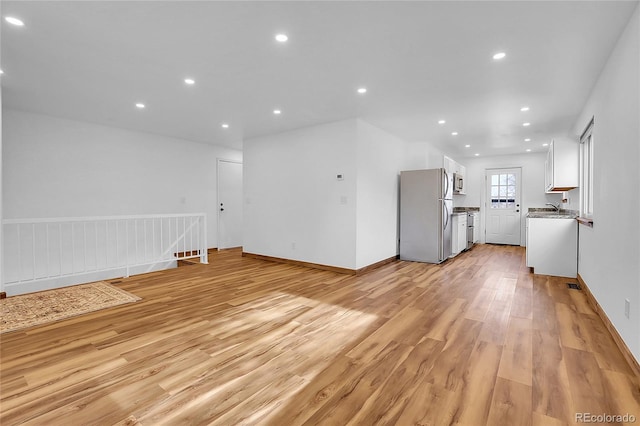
423 155
380 158
532 195
55 167
609 253
1 195
295 208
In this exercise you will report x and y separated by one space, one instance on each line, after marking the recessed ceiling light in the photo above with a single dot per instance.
225 126
14 21
140 105
526 124
528 150
1 72
476 154
524 109
527 140
277 111
282 38
499 55
362 90
454 133
467 146
545 144
189 81
441 121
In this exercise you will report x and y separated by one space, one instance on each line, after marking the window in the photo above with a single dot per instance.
586 172
503 191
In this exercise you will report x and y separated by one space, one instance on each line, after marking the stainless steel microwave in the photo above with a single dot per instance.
458 184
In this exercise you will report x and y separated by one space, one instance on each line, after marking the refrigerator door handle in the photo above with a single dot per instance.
446 179
446 215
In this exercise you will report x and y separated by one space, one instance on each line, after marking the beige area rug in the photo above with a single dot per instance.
28 310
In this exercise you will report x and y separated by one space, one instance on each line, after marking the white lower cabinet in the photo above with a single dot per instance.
459 231
552 246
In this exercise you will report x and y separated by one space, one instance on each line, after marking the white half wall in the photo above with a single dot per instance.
54 167
295 206
609 253
380 158
532 195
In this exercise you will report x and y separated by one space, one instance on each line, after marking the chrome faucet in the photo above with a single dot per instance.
554 206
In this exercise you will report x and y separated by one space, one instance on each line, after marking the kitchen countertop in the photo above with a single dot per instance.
548 213
466 209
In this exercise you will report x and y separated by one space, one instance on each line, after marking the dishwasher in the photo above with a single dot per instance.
472 223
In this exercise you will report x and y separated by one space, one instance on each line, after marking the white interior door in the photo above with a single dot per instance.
229 204
503 217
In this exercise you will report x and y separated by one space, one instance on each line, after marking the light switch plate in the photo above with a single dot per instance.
627 308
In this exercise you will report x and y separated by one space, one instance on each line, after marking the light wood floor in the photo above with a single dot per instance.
477 340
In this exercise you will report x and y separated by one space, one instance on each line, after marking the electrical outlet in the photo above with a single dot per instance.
627 308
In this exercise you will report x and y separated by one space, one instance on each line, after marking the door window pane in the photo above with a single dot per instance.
503 191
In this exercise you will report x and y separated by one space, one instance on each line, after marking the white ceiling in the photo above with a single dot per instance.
420 61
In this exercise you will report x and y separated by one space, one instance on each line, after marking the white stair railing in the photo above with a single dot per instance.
40 254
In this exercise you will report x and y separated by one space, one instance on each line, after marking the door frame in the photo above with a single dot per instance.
484 202
218 161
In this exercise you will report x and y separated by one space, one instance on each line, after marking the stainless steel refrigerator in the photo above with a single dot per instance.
426 204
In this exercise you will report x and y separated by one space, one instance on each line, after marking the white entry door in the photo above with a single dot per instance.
229 204
503 221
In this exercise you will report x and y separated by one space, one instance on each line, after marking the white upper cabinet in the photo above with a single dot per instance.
561 166
449 165
453 167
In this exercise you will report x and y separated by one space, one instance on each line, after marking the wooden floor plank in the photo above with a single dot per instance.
551 390
477 340
511 404
517 357
586 382
474 401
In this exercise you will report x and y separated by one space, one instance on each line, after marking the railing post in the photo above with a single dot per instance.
33 249
204 257
126 241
